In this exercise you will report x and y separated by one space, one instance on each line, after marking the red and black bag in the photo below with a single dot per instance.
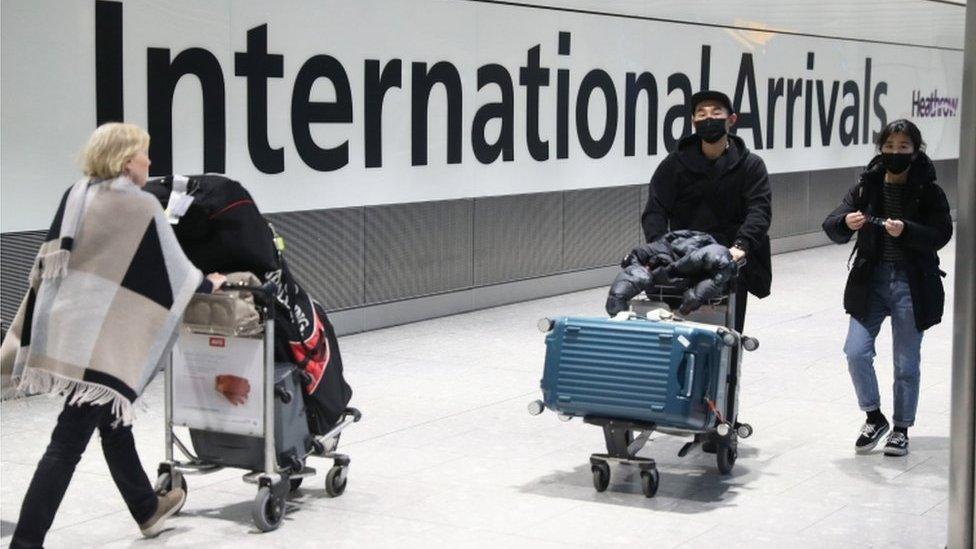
304 335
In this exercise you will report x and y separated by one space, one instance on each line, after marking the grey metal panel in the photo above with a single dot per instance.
418 249
373 317
962 424
796 242
947 172
395 313
599 226
535 288
643 191
517 236
17 252
325 251
791 204
827 189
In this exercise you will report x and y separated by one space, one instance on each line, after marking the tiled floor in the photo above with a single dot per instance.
448 455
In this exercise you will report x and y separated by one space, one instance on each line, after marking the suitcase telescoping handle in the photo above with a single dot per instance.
689 374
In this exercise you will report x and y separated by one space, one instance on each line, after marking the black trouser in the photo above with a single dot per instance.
68 441
740 307
741 295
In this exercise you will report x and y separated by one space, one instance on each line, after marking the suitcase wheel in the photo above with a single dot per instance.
744 430
601 476
650 480
268 510
750 343
164 483
335 481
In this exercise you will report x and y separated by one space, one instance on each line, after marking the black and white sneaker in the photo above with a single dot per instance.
897 444
871 434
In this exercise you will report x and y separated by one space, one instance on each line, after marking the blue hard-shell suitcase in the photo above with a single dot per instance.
647 370
665 372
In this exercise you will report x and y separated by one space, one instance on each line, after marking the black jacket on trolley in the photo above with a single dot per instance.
928 227
728 198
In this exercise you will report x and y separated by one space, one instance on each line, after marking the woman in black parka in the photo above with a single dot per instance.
901 217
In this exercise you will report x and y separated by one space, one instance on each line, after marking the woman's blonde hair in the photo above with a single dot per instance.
110 148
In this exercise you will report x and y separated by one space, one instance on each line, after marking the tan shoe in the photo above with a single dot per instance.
169 504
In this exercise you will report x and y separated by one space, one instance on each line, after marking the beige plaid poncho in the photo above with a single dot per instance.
106 294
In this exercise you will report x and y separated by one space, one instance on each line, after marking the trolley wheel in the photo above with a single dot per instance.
650 481
295 483
744 430
601 476
164 483
268 510
726 458
335 481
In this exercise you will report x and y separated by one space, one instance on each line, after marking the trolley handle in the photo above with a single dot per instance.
263 294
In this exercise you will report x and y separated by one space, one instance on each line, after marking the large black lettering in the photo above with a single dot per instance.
851 112
108 62
866 126
504 111
596 79
879 110
162 79
775 91
706 66
827 118
794 90
376 86
532 76
808 105
746 82
305 112
257 65
423 82
562 100
678 81
635 85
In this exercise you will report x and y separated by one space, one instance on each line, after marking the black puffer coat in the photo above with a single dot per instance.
690 260
729 199
928 227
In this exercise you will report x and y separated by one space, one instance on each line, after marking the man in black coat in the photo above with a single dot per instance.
713 183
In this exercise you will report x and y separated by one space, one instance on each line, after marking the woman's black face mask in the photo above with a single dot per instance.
896 163
711 129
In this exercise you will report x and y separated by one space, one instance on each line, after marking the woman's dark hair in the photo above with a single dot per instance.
902 126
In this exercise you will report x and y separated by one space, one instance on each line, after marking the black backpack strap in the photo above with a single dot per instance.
850 257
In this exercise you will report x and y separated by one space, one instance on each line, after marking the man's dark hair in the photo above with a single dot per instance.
901 126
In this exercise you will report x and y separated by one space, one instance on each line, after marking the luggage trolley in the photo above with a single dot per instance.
274 480
624 438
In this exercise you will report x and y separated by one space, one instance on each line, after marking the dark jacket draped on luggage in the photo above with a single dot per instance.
928 227
686 260
728 198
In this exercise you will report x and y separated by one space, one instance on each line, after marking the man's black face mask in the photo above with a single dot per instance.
711 129
896 162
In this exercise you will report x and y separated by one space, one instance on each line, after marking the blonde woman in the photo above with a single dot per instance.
107 290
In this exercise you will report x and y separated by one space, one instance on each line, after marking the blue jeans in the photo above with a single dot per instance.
890 296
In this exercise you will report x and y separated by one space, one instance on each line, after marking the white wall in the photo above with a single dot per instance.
47 100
